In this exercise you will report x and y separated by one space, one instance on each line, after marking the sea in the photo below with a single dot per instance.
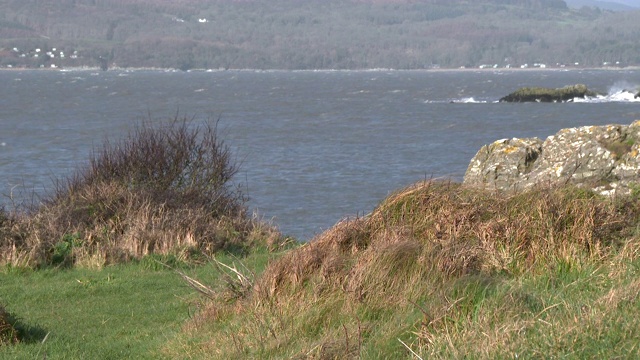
314 147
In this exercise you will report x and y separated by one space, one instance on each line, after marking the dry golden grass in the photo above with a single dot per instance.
434 251
455 231
137 227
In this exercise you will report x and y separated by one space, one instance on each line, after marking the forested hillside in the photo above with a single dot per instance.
313 34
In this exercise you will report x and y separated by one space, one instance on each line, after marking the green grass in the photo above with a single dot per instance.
118 312
128 311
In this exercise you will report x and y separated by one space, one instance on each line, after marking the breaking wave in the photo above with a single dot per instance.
619 96
620 92
466 100
470 100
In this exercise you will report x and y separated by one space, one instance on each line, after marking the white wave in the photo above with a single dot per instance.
615 96
623 85
624 96
469 100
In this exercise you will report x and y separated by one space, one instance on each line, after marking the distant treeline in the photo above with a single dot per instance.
313 34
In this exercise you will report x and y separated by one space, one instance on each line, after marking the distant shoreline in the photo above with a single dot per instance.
489 69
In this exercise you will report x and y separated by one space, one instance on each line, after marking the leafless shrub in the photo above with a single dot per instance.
179 164
161 189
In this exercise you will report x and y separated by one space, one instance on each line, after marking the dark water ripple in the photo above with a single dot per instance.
315 146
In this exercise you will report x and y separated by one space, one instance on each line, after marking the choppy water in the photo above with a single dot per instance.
314 146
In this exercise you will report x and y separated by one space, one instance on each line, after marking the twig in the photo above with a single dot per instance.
198 286
243 279
45 337
346 336
408 348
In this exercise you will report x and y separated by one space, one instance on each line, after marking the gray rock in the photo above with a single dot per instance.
504 163
603 158
538 94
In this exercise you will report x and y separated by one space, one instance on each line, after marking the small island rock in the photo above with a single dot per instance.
539 94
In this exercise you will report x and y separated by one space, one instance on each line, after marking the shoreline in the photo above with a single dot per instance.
491 69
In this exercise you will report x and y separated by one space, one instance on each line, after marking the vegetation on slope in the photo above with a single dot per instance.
444 271
291 34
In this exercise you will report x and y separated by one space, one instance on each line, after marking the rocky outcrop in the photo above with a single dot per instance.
637 95
603 158
538 94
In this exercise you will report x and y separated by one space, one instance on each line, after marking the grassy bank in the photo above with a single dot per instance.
440 271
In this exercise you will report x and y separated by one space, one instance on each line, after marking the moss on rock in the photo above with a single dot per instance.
540 94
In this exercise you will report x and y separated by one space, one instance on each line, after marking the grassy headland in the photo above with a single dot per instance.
437 270
443 271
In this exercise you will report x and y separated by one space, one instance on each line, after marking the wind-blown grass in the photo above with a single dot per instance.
445 271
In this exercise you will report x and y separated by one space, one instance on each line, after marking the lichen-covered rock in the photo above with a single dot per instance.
539 94
603 158
504 162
